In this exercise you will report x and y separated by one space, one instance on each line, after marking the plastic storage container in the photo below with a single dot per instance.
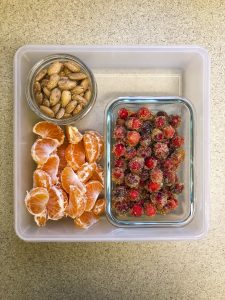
173 106
151 71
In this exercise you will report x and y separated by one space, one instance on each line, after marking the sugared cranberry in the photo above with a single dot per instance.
175 121
121 207
144 113
178 156
144 151
178 188
119 193
156 175
119 149
169 164
159 199
132 180
119 132
172 204
150 210
123 113
133 138
146 127
120 163
162 113
137 210
145 140
177 141
136 164
133 194
161 150
153 187
157 135
169 177
118 175
150 162
160 122
144 175
168 132
133 123
130 153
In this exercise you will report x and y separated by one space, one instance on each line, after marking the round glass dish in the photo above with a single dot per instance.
45 62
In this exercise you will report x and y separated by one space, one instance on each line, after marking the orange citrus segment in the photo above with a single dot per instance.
75 155
86 220
61 152
41 219
51 167
77 202
55 206
99 139
42 149
70 178
98 174
49 130
91 147
36 200
73 135
94 188
99 208
85 171
41 179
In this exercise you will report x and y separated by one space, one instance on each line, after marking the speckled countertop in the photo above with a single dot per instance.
163 270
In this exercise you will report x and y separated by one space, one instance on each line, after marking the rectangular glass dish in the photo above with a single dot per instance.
171 105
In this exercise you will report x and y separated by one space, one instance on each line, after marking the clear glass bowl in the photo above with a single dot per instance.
45 62
171 105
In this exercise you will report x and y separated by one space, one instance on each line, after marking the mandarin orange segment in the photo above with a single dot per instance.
41 219
86 171
42 149
70 178
51 167
77 202
36 200
55 205
98 174
41 179
61 152
49 130
73 135
75 155
86 220
99 139
94 188
99 208
91 147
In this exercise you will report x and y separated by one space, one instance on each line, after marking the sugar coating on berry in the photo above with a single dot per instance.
133 194
151 162
136 164
119 132
123 113
175 120
178 188
146 127
161 150
177 141
145 140
169 177
153 187
132 180
168 132
133 138
150 210
144 113
120 163
130 152
159 199
133 123
157 135
156 175
137 210
160 121
144 152
119 150
119 192
118 175
121 207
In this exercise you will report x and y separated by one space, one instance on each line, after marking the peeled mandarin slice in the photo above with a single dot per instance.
70 178
100 144
41 219
98 174
51 167
61 152
94 188
36 200
73 135
49 130
86 220
55 205
75 155
91 147
41 179
42 149
77 202
99 208
86 171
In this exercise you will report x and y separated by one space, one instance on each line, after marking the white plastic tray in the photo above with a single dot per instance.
147 71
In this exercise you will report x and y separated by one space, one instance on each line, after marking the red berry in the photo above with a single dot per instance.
137 210
136 164
168 132
133 138
121 207
159 199
119 132
132 180
123 113
120 163
118 175
178 188
119 150
133 123
146 127
153 187
144 151
175 121
169 177
161 150
177 141
160 121
130 153
133 194
145 140
169 164
150 162
144 113
150 210
157 135
156 175
172 204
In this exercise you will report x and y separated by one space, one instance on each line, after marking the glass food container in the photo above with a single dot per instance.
186 200
44 63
